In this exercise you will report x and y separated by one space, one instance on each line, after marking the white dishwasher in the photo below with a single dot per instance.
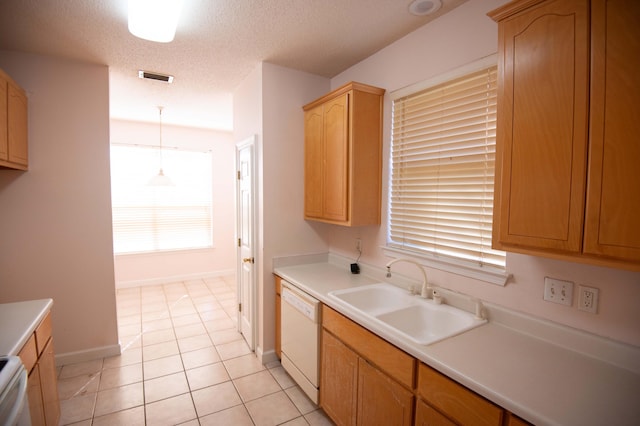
300 338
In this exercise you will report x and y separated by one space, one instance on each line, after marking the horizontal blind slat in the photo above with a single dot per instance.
442 169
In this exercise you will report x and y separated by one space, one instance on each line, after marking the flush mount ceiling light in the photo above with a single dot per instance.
424 7
154 20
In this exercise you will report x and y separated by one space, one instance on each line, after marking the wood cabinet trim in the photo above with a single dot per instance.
512 8
342 90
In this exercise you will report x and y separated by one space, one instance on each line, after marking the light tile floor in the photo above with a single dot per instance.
183 362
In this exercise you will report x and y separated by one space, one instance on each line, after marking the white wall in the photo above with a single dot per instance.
55 227
269 104
155 268
285 231
460 37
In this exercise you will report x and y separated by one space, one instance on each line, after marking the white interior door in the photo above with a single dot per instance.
246 259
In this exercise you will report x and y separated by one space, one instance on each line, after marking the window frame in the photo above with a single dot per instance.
486 273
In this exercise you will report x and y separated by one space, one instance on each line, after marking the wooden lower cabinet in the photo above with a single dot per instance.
365 380
49 385
354 392
381 400
36 407
338 381
429 416
456 402
37 355
278 336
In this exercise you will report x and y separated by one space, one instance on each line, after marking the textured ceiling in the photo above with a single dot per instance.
218 43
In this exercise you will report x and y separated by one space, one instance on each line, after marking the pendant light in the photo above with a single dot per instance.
160 179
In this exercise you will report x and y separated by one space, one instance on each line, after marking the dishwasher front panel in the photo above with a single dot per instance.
301 338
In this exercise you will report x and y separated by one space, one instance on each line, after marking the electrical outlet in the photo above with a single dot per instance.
588 299
558 291
358 245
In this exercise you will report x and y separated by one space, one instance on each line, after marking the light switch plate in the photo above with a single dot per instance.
558 291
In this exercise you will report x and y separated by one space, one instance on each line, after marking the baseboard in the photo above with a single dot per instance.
174 278
266 357
87 355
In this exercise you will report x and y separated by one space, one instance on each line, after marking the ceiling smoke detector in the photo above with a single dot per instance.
424 7
155 76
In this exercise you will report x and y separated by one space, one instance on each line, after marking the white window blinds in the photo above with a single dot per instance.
154 218
442 160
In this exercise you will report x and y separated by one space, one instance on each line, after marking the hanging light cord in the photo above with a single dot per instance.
161 171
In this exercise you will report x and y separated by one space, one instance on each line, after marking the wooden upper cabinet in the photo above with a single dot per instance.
613 197
566 175
542 125
343 156
4 124
13 125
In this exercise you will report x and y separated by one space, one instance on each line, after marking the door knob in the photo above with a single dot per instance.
247 259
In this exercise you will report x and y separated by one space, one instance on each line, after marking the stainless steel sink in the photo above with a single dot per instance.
419 320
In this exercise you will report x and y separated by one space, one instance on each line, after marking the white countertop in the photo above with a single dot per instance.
18 321
525 365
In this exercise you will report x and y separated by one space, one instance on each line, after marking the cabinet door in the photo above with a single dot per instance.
338 381
613 202
49 385
313 162
36 408
429 416
4 132
336 172
381 401
542 126
17 117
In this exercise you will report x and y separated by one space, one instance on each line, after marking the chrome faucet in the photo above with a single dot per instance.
425 285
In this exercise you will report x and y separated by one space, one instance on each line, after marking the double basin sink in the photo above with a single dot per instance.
420 320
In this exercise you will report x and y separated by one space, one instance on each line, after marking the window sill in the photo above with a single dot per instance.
486 273
165 252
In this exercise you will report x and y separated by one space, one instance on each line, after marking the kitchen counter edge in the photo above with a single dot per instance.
18 321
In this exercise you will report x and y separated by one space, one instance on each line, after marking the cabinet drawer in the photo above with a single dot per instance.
43 333
29 354
461 404
393 361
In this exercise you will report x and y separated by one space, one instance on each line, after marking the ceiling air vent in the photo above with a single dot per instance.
155 76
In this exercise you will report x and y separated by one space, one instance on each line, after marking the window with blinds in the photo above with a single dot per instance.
442 170
149 218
